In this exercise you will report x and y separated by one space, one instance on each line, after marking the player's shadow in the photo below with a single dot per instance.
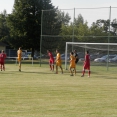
31 72
104 77
3 72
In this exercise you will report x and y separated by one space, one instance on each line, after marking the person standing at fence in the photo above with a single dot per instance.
2 58
51 60
58 62
86 64
72 64
19 57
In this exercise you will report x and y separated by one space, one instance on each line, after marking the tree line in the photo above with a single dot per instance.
22 28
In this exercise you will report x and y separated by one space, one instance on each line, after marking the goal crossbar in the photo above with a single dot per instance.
80 43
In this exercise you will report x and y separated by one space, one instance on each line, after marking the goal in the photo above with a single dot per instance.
96 50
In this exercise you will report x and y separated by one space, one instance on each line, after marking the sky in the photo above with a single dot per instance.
90 15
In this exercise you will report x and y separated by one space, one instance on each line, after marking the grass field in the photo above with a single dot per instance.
38 92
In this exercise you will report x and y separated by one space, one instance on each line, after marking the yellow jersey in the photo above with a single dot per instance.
72 61
58 59
19 55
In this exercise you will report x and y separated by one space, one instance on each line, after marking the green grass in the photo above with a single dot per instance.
38 92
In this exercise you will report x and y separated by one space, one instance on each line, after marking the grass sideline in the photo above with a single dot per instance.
38 92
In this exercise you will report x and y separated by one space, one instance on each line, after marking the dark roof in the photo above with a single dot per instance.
2 44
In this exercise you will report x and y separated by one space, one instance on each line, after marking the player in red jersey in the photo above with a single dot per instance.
2 58
51 60
86 64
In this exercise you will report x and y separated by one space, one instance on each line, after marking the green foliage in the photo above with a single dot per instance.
52 22
25 23
98 32
79 20
4 31
63 17
23 27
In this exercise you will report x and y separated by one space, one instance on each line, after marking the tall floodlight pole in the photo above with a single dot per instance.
109 38
73 28
41 35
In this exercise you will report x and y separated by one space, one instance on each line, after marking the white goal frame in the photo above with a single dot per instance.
81 43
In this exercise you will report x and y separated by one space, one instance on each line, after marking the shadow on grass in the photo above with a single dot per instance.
30 72
105 77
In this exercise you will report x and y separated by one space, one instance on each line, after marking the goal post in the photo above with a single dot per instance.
96 47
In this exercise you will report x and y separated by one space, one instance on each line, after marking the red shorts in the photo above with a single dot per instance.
87 66
2 62
51 61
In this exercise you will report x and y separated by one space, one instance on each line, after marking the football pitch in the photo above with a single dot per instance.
38 92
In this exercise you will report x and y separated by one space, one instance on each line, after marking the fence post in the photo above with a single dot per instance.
73 29
41 35
109 39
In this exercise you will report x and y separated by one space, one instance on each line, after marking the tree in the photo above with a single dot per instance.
103 24
114 26
79 20
64 18
4 31
25 23
74 31
52 23
101 30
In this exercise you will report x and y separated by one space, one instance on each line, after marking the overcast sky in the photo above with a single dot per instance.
90 15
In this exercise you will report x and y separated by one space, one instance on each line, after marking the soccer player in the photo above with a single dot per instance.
86 64
51 60
2 58
76 56
58 62
72 64
19 57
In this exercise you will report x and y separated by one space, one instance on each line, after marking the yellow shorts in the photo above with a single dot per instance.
72 66
58 63
19 59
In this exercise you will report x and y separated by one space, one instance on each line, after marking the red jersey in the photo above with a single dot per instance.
2 57
87 62
87 58
51 56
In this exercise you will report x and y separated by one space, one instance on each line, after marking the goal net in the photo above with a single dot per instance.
101 54
59 26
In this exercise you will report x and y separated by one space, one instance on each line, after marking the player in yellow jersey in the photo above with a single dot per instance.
72 64
19 57
58 62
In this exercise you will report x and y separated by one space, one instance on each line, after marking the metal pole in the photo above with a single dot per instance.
73 28
109 39
66 57
41 36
